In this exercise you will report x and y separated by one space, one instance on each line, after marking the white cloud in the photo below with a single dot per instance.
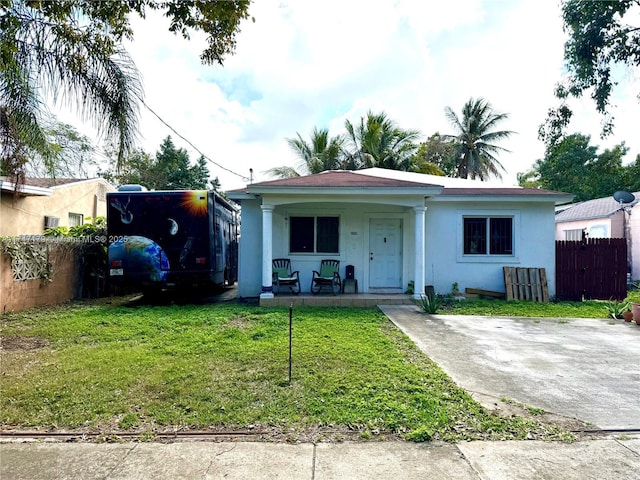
304 64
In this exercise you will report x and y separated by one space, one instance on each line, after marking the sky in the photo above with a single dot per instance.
305 64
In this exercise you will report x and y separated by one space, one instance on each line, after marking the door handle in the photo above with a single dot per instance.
370 255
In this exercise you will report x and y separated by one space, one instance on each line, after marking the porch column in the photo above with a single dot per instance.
418 277
267 250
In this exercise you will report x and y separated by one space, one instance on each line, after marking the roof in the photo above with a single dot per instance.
597 208
447 182
499 191
393 182
340 178
42 186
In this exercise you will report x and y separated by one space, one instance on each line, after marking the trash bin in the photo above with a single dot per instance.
350 284
350 272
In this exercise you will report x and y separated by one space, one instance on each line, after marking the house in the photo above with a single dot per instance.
604 218
46 202
394 228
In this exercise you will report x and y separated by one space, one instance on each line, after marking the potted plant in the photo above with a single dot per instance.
616 309
635 309
627 314
634 299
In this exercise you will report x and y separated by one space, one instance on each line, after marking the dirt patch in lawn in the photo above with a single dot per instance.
18 342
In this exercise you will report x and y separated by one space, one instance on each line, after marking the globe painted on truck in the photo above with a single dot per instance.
142 258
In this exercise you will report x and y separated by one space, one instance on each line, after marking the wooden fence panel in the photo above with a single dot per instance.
526 284
591 269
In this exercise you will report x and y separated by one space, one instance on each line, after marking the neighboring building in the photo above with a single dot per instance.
603 218
395 227
45 202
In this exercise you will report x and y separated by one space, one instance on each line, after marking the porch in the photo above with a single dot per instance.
340 300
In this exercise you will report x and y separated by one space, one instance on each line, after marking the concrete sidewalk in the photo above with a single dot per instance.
510 460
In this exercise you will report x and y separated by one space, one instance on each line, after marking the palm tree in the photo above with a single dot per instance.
378 142
71 62
321 153
475 137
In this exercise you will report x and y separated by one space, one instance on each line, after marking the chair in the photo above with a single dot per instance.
282 276
327 277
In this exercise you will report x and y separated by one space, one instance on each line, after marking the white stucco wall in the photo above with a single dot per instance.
634 242
534 243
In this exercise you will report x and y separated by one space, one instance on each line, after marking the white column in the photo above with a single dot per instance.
267 251
418 277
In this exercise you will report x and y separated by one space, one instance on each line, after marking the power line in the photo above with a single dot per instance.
192 145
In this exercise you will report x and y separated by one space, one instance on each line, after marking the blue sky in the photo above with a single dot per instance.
310 63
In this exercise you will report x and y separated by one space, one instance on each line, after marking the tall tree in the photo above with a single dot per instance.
436 156
601 37
377 141
72 49
72 154
171 169
573 165
322 152
475 139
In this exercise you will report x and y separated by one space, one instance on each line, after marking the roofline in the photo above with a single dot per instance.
81 181
396 190
556 198
25 190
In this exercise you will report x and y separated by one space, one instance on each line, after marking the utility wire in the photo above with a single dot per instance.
192 145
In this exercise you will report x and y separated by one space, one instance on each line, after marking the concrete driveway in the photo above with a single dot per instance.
577 368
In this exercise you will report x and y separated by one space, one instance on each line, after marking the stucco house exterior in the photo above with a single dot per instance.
43 202
603 218
394 228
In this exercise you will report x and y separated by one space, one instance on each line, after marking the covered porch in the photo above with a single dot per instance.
340 300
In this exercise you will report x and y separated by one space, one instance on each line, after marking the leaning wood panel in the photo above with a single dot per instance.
526 284
509 283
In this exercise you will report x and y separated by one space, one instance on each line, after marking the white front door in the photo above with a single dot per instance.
385 253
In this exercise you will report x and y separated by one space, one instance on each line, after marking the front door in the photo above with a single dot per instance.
385 253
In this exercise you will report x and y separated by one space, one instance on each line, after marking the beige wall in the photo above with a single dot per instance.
25 216
20 295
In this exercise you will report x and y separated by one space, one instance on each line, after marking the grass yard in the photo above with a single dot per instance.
112 367
515 308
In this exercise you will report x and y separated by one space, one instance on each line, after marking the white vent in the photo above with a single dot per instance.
51 222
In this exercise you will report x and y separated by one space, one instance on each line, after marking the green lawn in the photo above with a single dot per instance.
110 367
515 308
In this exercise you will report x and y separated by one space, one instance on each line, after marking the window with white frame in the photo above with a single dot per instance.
314 234
76 219
487 235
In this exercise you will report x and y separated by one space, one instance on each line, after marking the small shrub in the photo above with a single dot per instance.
430 302
615 309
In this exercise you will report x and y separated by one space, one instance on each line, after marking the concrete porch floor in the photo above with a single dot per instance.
339 300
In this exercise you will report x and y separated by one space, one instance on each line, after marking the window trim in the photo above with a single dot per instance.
315 232
488 257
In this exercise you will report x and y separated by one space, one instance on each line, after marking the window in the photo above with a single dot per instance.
574 235
488 235
313 234
598 231
76 219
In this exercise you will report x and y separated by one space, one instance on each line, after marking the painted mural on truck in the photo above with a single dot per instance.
171 238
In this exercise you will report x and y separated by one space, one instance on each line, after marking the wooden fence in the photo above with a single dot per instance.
591 269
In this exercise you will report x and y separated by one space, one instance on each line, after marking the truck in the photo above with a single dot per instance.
171 239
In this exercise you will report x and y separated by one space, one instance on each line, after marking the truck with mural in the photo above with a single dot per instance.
165 239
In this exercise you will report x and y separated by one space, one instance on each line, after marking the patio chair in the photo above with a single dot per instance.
282 276
327 277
